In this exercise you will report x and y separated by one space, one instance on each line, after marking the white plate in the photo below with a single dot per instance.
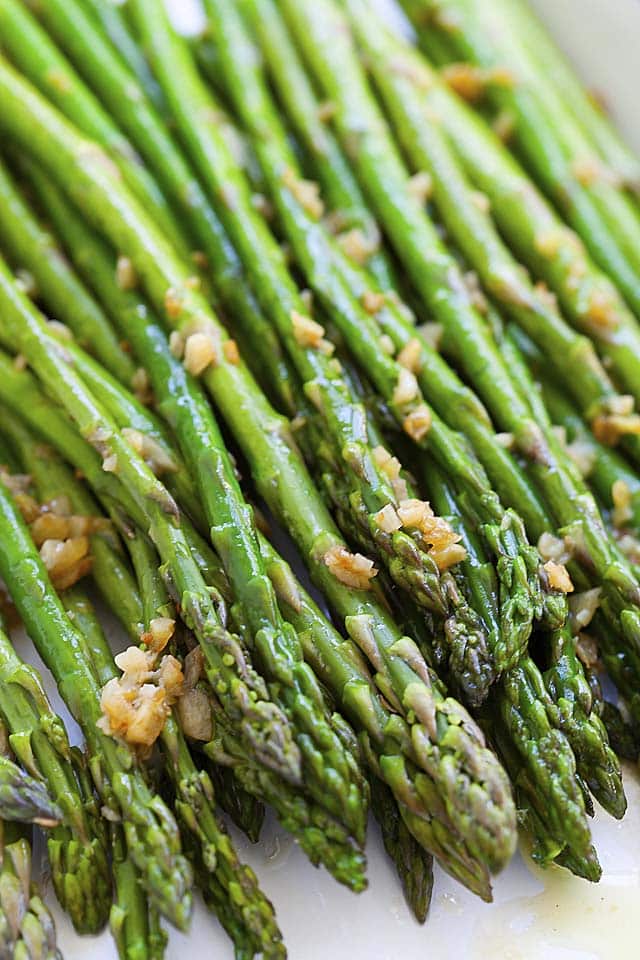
537 915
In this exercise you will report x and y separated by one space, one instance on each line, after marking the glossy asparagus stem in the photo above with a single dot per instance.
23 798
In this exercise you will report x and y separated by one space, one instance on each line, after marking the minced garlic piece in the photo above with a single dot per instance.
548 243
356 245
432 334
418 423
308 333
173 303
231 352
200 351
601 309
505 440
583 455
621 496
194 713
406 388
480 201
466 79
176 344
373 301
386 345
587 170
582 607
306 192
387 519
126 276
420 186
616 420
559 578
352 569
410 356
444 544
553 548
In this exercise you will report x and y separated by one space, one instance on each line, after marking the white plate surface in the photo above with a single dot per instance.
536 915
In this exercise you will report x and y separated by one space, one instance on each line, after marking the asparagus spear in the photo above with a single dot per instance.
261 434
414 866
76 848
135 929
150 829
29 47
27 930
30 247
549 139
127 102
571 356
23 798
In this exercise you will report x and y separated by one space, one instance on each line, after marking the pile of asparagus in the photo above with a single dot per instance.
291 282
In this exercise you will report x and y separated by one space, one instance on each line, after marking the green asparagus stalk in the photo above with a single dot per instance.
151 833
37 57
30 247
414 866
127 102
77 852
27 930
23 798
571 356
263 436
548 137
135 929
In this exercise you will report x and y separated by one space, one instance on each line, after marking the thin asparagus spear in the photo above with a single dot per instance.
414 865
150 829
77 852
32 51
30 247
137 934
23 798
572 356
27 930
263 436
246 811
548 137
119 90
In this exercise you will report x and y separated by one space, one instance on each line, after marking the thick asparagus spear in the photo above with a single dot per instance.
33 52
77 851
23 798
262 435
571 356
27 930
30 247
150 829
549 139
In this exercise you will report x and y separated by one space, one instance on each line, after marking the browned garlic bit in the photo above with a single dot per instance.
601 311
417 423
420 186
558 576
372 301
126 276
308 333
406 388
386 345
587 650
444 544
387 519
231 352
306 192
616 419
411 355
156 458
470 82
356 246
553 548
136 705
173 303
193 706
200 351
621 496
352 569
390 466
582 607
